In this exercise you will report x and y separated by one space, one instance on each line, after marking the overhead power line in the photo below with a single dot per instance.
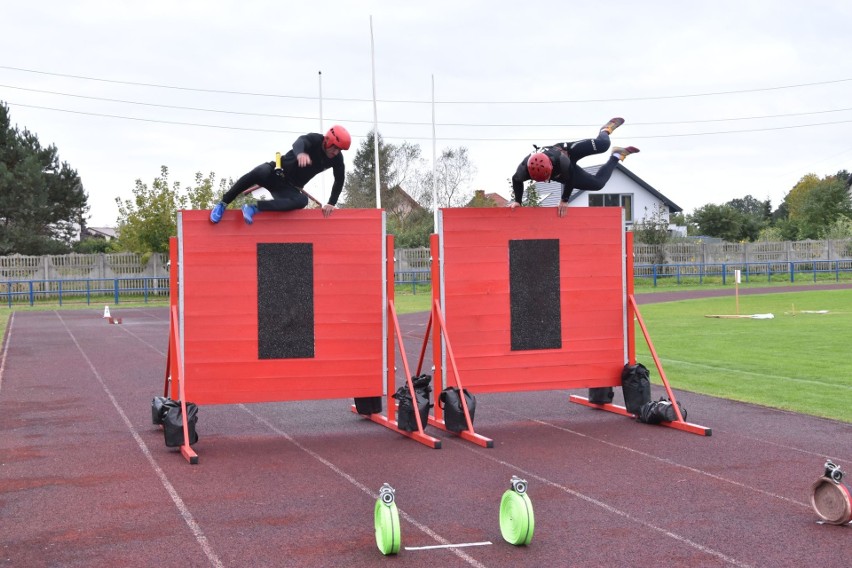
459 102
454 124
444 139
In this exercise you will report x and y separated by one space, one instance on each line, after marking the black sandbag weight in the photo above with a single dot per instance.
405 419
636 386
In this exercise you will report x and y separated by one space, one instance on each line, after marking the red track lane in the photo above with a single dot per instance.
86 480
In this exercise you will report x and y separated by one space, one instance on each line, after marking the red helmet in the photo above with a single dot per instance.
539 167
337 136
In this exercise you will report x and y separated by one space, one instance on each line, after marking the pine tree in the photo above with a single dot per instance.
42 201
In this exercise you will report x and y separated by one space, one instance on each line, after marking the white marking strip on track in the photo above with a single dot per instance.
610 508
601 504
6 348
470 560
663 460
170 489
435 546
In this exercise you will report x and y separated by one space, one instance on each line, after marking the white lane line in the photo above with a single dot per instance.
373 494
436 546
170 489
607 507
6 348
666 461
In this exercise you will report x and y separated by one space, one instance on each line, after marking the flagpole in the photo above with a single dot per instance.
434 163
322 131
375 120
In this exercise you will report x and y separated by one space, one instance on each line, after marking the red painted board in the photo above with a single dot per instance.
219 307
592 295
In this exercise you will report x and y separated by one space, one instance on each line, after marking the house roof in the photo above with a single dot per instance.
497 198
552 199
108 232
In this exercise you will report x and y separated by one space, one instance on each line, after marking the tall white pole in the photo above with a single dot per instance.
434 163
322 131
375 120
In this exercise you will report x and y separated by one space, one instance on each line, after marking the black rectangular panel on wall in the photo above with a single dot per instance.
285 300
534 294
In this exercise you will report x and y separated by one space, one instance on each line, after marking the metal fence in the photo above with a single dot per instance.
417 261
83 277
83 290
412 267
723 273
718 253
83 266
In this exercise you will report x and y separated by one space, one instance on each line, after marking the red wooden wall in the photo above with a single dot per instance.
219 307
476 297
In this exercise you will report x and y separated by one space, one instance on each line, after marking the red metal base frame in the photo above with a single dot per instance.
423 438
477 439
615 409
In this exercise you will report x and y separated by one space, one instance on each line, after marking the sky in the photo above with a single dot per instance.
724 99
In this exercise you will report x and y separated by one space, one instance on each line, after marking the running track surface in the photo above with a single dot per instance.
86 479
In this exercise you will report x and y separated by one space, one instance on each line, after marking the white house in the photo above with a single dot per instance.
624 189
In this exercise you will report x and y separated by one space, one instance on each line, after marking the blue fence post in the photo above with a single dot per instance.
654 274
115 290
724 273
32 298
9 293
792 273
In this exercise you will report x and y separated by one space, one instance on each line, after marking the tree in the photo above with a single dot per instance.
360 187
840 229
761 210
91 245
414 232
531 195
42 201
479 200
454 172
146 222
204 196
722 221
654 230
406 184
683 220
770 234
815 204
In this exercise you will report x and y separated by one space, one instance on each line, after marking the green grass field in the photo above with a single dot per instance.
794 362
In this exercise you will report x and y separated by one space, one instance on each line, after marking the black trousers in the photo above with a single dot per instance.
285 196
580 178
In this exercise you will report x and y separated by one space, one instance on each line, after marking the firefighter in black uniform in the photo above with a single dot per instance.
559 163
311 154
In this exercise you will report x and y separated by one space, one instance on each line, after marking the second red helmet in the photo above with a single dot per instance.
539 166
338 136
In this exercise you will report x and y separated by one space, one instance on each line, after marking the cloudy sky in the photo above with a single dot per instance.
725 99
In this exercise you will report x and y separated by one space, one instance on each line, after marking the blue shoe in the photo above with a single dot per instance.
218 211
249 211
